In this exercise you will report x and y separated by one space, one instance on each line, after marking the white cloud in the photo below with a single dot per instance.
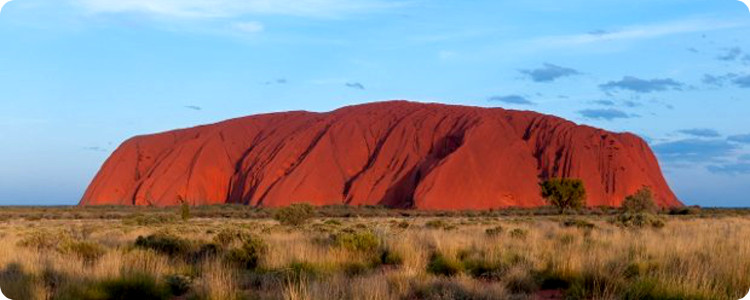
235 8
2 3
634 33
249 27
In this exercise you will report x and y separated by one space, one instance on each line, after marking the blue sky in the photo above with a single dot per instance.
77 77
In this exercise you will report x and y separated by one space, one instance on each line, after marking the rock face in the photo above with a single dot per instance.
399 154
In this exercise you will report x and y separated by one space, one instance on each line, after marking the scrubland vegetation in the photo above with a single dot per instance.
233 252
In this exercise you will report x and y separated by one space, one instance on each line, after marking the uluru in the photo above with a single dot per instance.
396 153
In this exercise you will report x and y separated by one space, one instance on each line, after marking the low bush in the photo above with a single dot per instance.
248 255
226 236
436 224
295 214
578 223
134 286
390 257
89 252
299 270
178 284
519 233
403 224
494 231
357 241
638 220
440 264
41 240
684 210
332 222
149 219
164 243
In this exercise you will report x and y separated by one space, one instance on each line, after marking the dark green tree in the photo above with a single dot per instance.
564 193
640 202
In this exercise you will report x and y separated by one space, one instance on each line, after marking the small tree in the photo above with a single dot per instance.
640 202
564 193
184 210
295 214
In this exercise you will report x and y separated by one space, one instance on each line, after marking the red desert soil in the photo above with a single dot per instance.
397 153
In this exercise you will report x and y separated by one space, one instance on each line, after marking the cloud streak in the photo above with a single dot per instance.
608 114
638 32
642 85
694 150
355 85
213 9
512 99
701 132
549 72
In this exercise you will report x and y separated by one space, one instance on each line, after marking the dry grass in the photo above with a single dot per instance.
689 258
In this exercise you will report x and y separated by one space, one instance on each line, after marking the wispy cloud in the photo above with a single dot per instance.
235 8
277 81
642 85
95 149
730 54
694 150
717 80
701 132
742 81
741 138
730 169
549 72
635 32
604 114
604 102
512 99
355 85
249 27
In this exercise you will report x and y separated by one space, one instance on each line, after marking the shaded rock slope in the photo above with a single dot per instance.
396 153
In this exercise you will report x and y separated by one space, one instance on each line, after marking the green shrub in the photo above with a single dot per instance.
390 257
638 220
134 286
439 264
519 233
578 223
298 270
564 193
226 236
164 243
438 224
149 220
248 256
178 284
684 210
494 231
295 214
640 202
357 241
41 240
519 281
87 251
483 268
184 210
332 222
